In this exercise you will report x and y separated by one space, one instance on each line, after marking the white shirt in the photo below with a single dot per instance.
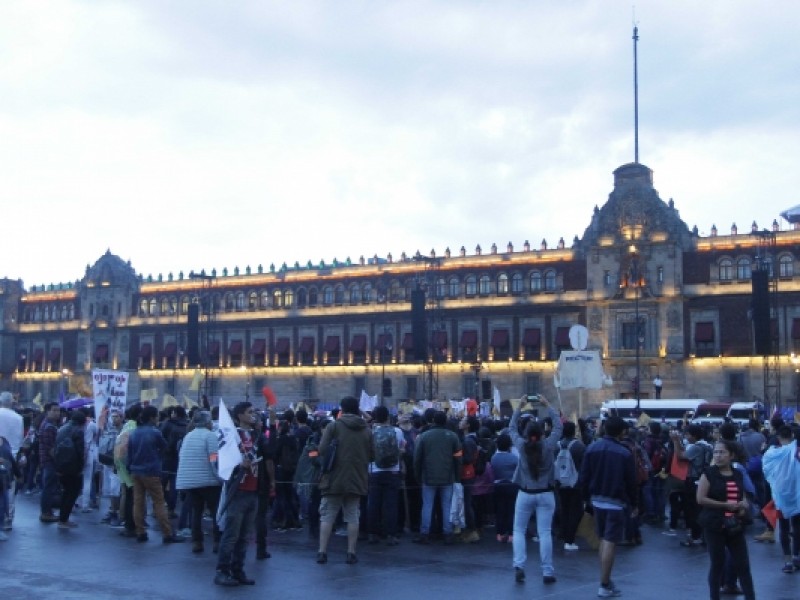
11 428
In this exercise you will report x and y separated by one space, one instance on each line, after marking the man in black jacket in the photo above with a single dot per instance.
69 458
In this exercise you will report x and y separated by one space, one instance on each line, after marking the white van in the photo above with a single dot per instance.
741 413
711 413
668 412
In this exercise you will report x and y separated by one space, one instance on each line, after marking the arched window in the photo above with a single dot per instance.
288 298
453 287
107 310
395 292
142 307
263 301
355 294
327 295
536 281
252 301
240 301
470 285
441 288
71 311
302 298
277 299
366 293
516 283
550 281
338 295
743 269
184 304
64 312
46 314
725 269
313 297
785 266
153 309
502 284
164 306
485 285
229 303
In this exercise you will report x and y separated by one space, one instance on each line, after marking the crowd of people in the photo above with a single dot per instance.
445 478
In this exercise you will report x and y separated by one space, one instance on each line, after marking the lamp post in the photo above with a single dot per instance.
637 388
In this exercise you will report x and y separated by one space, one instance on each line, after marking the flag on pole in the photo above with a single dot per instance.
37 400
188 402
367 402
196 379
229 455
168 400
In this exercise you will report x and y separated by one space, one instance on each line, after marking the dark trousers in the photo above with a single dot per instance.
691 508
654 498
571 512
202 498
736 544
382 502
790 528
49 488
262 516
170 493
469 510
410 504
287 508
128 512
71 486
240 518
505 497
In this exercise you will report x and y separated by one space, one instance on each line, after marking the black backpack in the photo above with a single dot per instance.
65 452
290 453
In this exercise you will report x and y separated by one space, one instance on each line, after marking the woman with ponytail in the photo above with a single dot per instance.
535 478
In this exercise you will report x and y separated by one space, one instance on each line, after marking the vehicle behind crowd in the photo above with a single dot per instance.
711 414
669 412
741 413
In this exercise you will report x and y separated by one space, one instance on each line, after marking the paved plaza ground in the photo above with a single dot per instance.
94 562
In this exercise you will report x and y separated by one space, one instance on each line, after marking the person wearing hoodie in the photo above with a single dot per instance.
348 479
535 478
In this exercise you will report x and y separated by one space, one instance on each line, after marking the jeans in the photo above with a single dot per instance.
736 544
240 518
384 490
543 505
790 528
691 508
151 486
49 488
262 516
429 493
505 496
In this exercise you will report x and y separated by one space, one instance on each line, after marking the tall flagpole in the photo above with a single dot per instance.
635 96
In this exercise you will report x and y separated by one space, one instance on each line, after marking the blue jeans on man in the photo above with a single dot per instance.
240 519
429 493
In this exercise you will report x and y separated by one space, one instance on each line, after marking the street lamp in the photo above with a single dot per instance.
635 280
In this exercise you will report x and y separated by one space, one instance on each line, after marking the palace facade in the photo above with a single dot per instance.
656 297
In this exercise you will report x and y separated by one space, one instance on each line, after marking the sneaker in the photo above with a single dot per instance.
225 579
730 590
87 509
670 532
185 532
788 567
470 537
608 590
243 579
766 536
67 524
351 559
48 518
571 547
519 575
173 539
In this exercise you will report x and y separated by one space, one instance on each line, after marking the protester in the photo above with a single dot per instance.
69 457
571 498
240 502
145 445
348 480
48 431
608 481
13 431
782 472
384 478
534 477
437 465
720 494
504 464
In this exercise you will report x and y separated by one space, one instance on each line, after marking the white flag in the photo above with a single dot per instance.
367 402
497 400
229 455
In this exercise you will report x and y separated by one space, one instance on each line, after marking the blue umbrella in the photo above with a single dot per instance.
76 403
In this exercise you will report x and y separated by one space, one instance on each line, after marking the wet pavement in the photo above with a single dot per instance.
93 561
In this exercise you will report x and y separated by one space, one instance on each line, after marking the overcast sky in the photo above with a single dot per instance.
190 134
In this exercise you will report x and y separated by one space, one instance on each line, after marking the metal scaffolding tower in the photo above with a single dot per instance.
766 260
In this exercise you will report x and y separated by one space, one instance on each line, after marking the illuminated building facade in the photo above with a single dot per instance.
493 318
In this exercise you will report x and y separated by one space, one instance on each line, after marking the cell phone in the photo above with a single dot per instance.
534 399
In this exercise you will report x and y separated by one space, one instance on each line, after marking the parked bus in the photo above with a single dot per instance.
711 413
669 412
741 413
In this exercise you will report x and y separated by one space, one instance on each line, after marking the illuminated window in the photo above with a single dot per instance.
725 269
453 287
252 301
327 295
485 285
240 301
550 281
516 283
471 285
502 284
743 269
288 299
786 266
536 281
